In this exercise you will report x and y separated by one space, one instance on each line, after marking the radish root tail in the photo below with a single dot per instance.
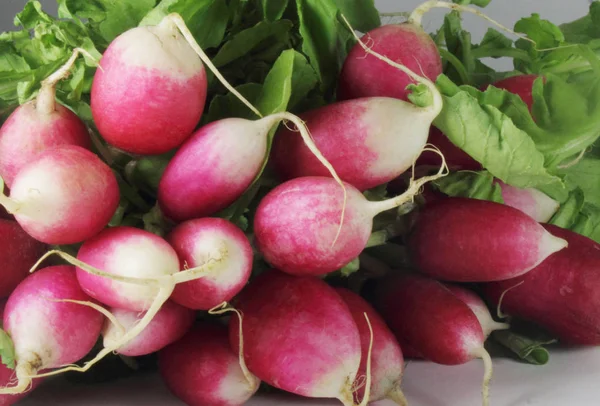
367 395
487 376
499 312
24 373
397 396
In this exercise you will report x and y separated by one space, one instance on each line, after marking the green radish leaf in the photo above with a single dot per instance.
569 210
7 350
362 14
474 185
525 348
273 10
585 175
585 29
228 105
350 268
588 222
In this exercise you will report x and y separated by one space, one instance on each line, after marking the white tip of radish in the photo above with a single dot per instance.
548 245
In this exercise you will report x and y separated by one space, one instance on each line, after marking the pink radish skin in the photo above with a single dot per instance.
478 306
65 196
169 325
365 76
470 240
387 364
19 253
48 333
29 131
532 202
202 370
299 336
297 223
561 294
165 93
193 240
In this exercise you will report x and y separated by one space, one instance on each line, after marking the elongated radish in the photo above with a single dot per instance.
47 331
64 196
193 241
202 370
171 323
299 336
387 360
560 294
478 306
436 323
532 202
219 162
38 125
18 254
470 240
296 225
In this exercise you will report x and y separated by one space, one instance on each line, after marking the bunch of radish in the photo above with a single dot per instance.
137 291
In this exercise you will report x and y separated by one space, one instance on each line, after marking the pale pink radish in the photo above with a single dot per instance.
561 294
40 124
532 202
202 370
65 196
478 306
48 329
471 240
387 365
193 241
168 325
299 336
17 255
297 225
431 319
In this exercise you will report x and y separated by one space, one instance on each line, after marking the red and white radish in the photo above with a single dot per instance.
299 336
297 228
18 254
38 125
387 365
48 331
202 370
433 321
561 294
193 240
65 196
532 202
470 240
169 324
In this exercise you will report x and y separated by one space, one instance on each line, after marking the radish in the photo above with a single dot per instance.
19 253
470 240
478 306
193 240
299 336
47 329
521 85
64 196
38 125
296 225
561 294
202 370
532 202
169 324
387 360
432 320
456 158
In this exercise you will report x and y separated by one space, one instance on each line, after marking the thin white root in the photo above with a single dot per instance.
10 205
438 102
397 396
499 307
111 317
416 17
223 308
574 161
487 376
180 23
367 395
24 373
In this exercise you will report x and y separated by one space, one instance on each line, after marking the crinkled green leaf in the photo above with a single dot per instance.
569 211
588 222
7 350
474 185
586 175
584 29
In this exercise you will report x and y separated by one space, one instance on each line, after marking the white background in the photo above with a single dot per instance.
571 378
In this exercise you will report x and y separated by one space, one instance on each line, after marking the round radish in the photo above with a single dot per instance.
47 331
532 202
193 240
202 370
64 196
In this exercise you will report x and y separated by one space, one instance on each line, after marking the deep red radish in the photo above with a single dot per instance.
193 241
47 331
431 319
38 125
478 306
532 202
297 224
561 294
521 85
471 240
202 370
456 158
19 253
387 362
65 196
170 324
299 336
